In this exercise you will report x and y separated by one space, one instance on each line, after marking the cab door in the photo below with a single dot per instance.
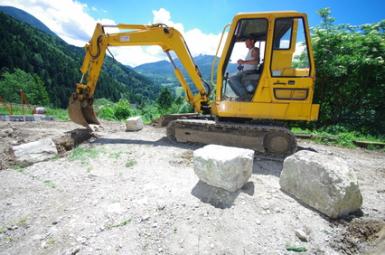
291 65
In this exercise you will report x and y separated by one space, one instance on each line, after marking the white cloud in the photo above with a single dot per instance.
67 18
70 20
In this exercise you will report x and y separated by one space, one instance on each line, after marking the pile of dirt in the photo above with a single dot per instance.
361 235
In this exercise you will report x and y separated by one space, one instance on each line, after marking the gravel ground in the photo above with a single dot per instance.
136 193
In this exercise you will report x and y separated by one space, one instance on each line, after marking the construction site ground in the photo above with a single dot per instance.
136 193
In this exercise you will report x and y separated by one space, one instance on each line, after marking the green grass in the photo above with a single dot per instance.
50 184
18 167
337 135
130 163
57 113
115 154
83 154
121 224
22 222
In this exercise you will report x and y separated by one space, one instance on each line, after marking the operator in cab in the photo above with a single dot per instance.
247 66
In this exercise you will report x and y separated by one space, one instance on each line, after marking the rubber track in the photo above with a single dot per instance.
252 130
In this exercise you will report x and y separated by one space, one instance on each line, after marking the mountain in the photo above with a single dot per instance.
162 71
25 17
57 63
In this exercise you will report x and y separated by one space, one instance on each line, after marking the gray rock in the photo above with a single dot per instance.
6 132
134 124
225 167
323 182
36 151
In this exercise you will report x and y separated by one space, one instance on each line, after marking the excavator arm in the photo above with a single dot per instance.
169 39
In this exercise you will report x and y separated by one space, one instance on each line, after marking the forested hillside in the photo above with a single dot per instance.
162 71
57 64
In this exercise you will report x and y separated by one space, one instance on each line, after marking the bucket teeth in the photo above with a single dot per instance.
82 115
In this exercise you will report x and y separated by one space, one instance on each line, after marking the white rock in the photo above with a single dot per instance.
134 124
323 182
224 167
301 235
36 151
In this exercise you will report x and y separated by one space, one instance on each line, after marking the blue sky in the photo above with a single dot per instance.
211 16
200 21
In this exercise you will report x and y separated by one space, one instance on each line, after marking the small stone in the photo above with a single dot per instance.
258 222
160 250
161 207
144 218
44 245
13 227
154 225
54 222
301 235
37 237
72 251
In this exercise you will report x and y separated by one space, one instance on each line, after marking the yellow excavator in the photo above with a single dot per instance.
278 88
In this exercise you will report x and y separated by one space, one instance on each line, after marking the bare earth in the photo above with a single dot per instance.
136 193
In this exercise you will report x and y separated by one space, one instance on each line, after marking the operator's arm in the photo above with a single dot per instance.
254 54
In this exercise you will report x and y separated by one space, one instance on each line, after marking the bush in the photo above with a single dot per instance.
350 74
106 112
122 109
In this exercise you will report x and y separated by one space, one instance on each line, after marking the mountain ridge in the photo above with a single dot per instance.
25 17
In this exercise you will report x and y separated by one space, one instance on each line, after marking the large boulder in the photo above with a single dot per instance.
323 182
36 151
134 124
225 167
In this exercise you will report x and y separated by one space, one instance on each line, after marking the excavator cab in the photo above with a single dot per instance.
282 86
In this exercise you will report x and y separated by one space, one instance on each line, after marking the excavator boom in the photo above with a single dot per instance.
169 39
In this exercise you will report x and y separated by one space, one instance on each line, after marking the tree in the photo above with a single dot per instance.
12 82
165 98
350 80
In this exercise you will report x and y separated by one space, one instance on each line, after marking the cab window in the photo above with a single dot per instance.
290 56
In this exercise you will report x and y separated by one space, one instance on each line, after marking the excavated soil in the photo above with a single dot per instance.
136 193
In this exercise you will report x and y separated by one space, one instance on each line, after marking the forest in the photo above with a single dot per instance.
54 63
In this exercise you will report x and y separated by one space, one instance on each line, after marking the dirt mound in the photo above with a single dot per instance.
360 235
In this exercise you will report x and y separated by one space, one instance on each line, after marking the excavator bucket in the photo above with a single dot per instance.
81 114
